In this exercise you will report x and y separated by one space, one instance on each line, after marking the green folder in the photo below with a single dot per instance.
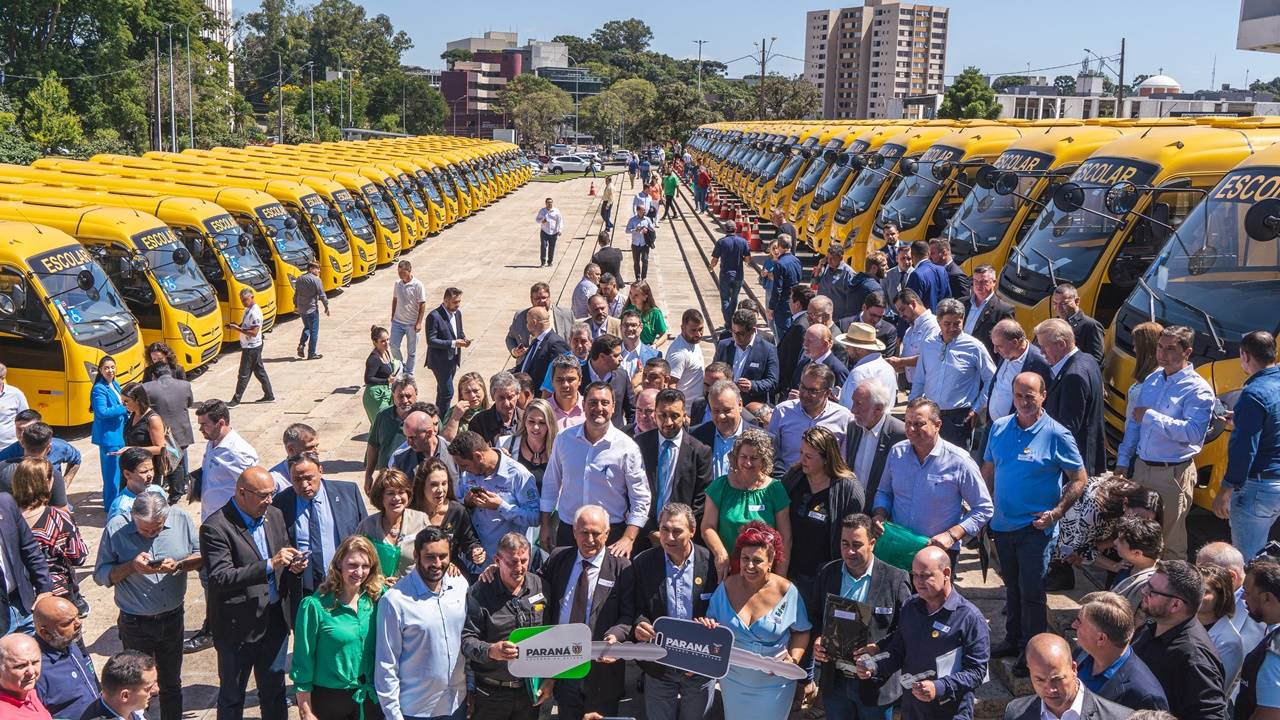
898 546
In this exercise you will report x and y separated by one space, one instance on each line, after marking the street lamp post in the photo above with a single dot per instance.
191 113
311 89
173 112
576 77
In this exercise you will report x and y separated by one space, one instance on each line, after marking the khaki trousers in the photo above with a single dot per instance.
1174 484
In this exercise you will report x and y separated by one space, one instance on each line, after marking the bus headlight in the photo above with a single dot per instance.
188 336
334 264
363 256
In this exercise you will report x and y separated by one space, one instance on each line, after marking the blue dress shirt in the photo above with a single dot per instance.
517 490
679 587
720 447
321 548
1179 409
61 453
954 374
925 496
855 588
1254 448
259 535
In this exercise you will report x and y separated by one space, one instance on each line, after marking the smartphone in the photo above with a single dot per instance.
156 562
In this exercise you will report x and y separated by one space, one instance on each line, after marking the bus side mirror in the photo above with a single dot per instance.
875 161
181 256
1121 198
907 167
857 162
1006 183
84 280
1262 222
942 170
1068 197
272 231
291 223
986 176
7 306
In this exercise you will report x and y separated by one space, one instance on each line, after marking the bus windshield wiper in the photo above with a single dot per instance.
973 235
1151 299
1021 256
1208 320
1053 277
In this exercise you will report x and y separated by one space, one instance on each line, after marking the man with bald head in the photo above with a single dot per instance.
67 685
646 411
544 345
938 629
246 550
818 348
422 442
19 672
1028 455
1058 689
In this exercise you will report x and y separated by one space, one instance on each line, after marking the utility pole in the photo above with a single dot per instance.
341 109
404 106
311 90
158 136
173 113
1120 84
191 116
763 49
700 44
280 97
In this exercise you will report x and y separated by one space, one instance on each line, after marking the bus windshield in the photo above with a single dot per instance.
96 314
183 283
289 241
1211 266
983 217
1076 240
445 185
789 171
831 186
811 176
858 198
429 187
234 245
355 219
326 225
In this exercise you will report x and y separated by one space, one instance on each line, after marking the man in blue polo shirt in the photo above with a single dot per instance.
732 249
1027 455
61 453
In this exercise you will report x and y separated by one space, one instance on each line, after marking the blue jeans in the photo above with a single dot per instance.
405 331
841 702
310 331
699 198
730 288
1024 562
1254 508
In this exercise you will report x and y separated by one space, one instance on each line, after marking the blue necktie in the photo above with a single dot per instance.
315 540
528 357
665 457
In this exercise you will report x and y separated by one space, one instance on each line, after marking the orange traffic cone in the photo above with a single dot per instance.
592 192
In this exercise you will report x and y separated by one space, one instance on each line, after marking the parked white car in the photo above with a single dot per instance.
571 163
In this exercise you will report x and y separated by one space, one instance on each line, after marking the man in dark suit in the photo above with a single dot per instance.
587 584
791 345
753 359
1049 657
445 340
983 309
318 515
604 363
873 310
1104 626
26 573
1075 393
246 552
129 681
818 344
544 346
929 280
884 591
871 433
539 296
957 281
675 579
677 464
1089 333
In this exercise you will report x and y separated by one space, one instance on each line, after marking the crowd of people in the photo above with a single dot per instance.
611 476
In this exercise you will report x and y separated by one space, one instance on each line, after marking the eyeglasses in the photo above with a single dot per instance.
1148 589
813 390
264 495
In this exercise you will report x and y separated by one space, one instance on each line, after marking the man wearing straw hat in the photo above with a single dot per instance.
866 361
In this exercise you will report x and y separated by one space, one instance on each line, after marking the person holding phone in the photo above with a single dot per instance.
250 329
445 341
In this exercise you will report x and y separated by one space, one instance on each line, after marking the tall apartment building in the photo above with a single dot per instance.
862 58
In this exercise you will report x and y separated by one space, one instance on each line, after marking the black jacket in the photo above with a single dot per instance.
960 282
346 506
440 336
844 497
692 473
1089 335
624 395
22 555
790 349
1185 662
1093 708
761 367
993 312
551 347
890 587
650 570
610 261
492 613
893 432
238 608
1075 400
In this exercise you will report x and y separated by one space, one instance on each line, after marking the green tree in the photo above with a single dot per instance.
1270 86
1004 82
398 93
47 117
732 99
786 98
677 112
632 34
522 86
580 49
1065 84
1137 79
602 115
537 115
454 55
969 97
14 148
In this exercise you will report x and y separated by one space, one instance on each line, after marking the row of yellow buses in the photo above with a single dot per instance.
104 256
1173 219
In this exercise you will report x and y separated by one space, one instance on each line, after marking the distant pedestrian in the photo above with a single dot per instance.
250 329
645 171
643 236
633 166
669 185
408 313
308 295
733 249
445 341
550 225
606 207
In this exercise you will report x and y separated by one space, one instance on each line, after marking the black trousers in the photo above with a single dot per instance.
265 658
669 207
444 383
956 428
640 261
159 636
251 364
330 704
500 703
547 248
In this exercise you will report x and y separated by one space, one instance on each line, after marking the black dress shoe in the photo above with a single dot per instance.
1005 649
202 640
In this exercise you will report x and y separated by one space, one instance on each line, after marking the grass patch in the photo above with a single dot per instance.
548 178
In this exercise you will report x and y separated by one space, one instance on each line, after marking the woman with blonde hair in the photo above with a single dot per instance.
334 639
473 397
531 444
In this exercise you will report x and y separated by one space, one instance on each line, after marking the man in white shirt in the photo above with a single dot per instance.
408 313
595 463
12 402
1060 695
685 356
550 225
866 361
585 289
250 329
872 432
922 327
1017 355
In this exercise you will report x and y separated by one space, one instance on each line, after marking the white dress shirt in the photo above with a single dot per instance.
924 328
593 576
866 453
871 367
975 311
1000 403
1071 713
550 221
740 355
222 465
1056 368
608 472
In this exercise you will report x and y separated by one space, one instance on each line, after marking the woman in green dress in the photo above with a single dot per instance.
380 368
747 493
334 638
653 324
395 525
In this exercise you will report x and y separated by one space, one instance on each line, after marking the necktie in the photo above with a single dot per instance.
578 610
528 357
316 541
665 456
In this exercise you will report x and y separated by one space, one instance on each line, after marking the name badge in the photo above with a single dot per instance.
938 478
1026 455
936 626
755 508
605 583
754 365
536 598
883 611
706 596
820 517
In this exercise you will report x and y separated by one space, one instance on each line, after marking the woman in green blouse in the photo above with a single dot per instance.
392 529
334 638
747 493
653 324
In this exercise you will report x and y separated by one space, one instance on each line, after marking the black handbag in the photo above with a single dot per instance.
650 238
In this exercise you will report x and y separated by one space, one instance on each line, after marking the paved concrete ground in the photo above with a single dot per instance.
493 257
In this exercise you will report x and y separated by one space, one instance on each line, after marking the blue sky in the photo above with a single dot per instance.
1181 36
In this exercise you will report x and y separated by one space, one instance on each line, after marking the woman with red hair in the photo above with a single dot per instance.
767 617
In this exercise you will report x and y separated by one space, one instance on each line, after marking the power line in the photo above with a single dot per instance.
62 78
1025 71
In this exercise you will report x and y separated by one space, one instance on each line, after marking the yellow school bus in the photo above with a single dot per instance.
1102 252
796 205
844 171
1218 274
59 314
217 245
778 194
160 284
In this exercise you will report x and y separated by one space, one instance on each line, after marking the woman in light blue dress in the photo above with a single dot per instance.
767 617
